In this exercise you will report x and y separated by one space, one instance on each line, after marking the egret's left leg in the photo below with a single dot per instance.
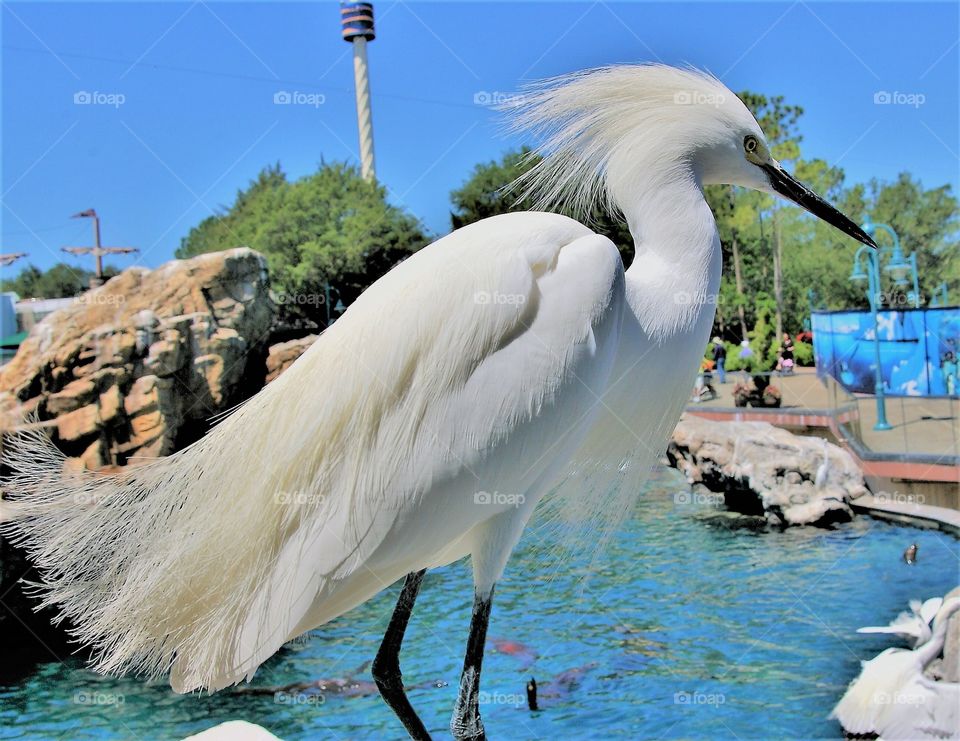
466 724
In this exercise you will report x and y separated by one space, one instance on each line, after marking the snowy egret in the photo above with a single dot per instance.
823 470
503 361
893 698
912 626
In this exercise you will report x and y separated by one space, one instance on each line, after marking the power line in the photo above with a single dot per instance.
234 75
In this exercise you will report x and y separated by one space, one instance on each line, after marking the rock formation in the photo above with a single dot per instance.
281 355
767 471
138 366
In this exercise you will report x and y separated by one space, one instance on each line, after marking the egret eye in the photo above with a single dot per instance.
750 144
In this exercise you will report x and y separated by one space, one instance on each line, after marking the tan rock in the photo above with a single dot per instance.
756 465
111 405
95 456
188 326
73 396
78 424
142 396
147 426
283 354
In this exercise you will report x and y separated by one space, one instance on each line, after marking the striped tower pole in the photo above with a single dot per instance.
357 21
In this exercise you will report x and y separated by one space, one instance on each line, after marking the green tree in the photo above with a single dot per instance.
60 281
486 193
329 227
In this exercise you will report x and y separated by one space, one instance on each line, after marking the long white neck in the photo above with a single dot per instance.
675 276
932 648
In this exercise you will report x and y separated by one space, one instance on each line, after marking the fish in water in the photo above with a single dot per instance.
520 651
347 686
910 555
560 687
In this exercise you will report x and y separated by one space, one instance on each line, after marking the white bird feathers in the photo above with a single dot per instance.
512 356
893 698
912 626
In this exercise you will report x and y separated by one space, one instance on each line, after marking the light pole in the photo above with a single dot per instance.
339 308
899 265
873 277
940 297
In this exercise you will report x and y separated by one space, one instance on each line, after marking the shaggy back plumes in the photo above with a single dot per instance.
597 126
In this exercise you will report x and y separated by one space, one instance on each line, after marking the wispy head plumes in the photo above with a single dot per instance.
597 127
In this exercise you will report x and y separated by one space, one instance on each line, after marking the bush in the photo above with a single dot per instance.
803 353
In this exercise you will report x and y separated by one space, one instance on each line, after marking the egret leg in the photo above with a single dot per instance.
466 724
386 667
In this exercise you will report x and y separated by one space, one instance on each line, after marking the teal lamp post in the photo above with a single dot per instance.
872 276
940 297
899 266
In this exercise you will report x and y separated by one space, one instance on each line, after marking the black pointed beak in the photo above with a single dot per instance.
792 189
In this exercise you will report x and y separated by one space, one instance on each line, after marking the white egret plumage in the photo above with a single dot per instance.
426 424
894 699
913 626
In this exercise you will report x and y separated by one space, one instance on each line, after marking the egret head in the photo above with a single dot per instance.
608 132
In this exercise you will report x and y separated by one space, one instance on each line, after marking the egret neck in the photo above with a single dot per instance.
674 279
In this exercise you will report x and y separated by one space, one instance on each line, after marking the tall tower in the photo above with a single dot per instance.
357 21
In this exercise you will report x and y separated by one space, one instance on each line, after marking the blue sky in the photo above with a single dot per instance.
197 119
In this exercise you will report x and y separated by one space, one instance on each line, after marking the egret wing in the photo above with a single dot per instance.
207 561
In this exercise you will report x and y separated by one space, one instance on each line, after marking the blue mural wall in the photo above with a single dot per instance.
918 350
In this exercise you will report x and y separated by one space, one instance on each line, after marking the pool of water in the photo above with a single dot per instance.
684 629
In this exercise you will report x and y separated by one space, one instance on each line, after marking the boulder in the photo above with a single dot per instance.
124 368
766 471
282 355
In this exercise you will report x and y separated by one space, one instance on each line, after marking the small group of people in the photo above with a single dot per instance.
705 390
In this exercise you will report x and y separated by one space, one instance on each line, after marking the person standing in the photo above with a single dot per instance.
720 358
785 360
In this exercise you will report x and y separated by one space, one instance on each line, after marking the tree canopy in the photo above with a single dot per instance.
329 227
60 281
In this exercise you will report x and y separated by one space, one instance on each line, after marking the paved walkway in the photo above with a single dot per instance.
906 510
920 425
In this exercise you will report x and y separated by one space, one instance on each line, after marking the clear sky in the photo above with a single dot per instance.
197 118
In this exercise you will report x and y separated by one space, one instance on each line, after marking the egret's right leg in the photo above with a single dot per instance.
386 667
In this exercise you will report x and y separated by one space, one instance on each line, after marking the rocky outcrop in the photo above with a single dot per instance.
281 355
141 363
767 472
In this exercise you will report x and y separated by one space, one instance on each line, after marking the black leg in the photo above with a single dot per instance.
386 667
466 724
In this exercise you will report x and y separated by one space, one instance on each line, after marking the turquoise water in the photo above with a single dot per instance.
686 629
